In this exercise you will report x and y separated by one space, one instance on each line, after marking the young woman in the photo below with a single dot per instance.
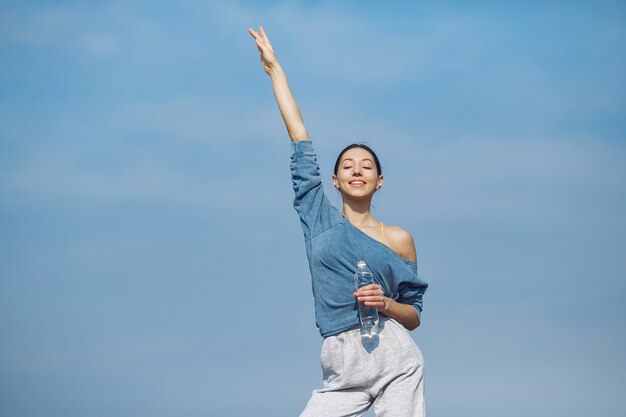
387 370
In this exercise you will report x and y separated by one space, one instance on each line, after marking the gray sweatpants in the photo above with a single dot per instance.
386 370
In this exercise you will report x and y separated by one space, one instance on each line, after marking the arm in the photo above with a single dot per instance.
405 314
286 102
372 295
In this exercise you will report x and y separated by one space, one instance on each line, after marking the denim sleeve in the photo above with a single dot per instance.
315 211
412 290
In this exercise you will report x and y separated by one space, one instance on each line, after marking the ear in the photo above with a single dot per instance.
335 182
379 182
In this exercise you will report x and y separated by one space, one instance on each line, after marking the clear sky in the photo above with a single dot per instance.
151 263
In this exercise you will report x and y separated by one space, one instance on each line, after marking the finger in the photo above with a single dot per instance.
371 287
263 34
366 295
375 298
371 298
257 37
371 291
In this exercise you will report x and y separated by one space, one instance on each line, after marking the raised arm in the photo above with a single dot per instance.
286 103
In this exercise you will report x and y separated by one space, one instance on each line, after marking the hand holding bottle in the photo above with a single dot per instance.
367 294
371 295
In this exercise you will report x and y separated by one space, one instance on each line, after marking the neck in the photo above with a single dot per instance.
359 214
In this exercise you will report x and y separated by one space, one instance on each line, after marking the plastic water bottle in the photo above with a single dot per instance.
367 314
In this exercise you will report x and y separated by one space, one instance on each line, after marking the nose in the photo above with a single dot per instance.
356 170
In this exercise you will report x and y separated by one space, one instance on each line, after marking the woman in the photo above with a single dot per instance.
385 371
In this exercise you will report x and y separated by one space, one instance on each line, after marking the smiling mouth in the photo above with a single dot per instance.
357 183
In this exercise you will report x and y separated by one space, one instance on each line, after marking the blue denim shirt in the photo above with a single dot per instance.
334 246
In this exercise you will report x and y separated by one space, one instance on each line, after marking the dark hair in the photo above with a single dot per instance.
362 146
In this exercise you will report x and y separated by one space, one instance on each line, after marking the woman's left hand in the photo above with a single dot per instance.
371 295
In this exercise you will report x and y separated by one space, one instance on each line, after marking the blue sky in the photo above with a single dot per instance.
151 263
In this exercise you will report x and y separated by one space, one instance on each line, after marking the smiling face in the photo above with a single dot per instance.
357 176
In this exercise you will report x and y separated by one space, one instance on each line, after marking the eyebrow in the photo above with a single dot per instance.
350 159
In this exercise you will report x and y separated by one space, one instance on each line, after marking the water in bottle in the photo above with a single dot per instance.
367 314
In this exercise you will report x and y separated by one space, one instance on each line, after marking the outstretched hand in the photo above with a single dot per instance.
268 58
286 103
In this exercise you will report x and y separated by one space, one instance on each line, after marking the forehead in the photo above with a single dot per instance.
357 154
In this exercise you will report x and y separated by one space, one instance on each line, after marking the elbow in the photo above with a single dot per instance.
298 134
413 324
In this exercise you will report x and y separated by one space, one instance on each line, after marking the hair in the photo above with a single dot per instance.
362 146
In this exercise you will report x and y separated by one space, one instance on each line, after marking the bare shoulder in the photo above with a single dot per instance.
401 241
